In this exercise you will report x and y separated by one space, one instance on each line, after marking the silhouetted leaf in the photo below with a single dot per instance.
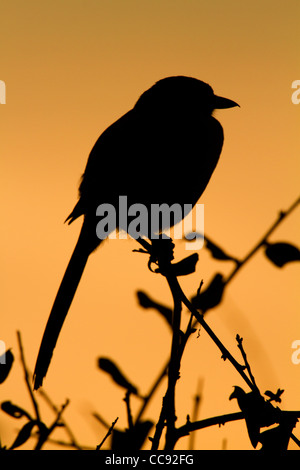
6 361
211 296
146 302
282 253
108 366
14 410
217 252
185 266
24 434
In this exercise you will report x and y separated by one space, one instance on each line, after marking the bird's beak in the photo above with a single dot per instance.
223 103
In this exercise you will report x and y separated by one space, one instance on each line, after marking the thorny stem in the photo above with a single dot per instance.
168 408
174 366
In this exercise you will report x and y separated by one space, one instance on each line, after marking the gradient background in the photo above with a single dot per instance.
71 68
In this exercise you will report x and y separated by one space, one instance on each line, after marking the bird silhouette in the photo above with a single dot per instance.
257 411
163 151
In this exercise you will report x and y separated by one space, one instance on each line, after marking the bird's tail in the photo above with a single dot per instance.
62 304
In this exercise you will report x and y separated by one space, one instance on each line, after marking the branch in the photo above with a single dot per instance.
222 420
162 254
45 432
148 397
282 215
146 245
107 434
225 353
163 258
205 423
174 365
247 365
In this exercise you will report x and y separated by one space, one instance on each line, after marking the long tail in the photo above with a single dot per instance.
62 302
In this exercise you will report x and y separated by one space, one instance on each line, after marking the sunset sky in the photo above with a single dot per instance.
71 68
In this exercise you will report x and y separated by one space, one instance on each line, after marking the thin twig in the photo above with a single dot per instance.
148 397
101 420
282 215
129 414
47 431
197 401
247 365
57 421
26 376
48 400
107 434
225 353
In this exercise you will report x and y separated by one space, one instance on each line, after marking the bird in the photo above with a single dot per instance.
258 412
162 151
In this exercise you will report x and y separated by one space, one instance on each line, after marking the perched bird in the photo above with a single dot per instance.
163 151
257 411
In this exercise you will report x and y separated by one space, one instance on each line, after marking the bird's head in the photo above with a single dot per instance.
184 95
237 393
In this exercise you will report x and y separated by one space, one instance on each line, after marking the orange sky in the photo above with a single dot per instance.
71 68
